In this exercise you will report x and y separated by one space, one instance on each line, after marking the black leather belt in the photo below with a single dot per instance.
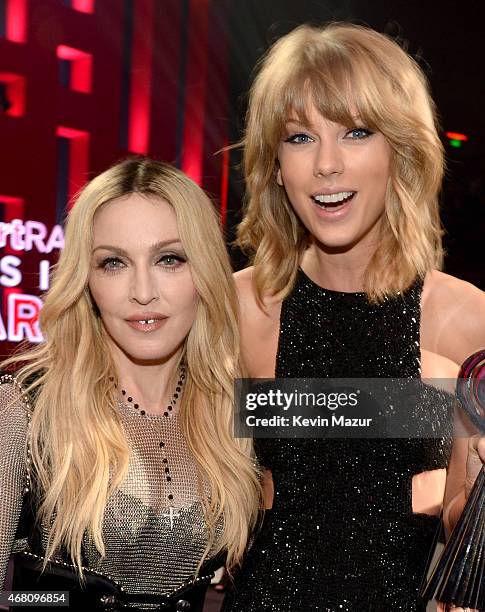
100 593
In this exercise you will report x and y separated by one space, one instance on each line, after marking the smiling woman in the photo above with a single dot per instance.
343 168
345 212
145 285
120 479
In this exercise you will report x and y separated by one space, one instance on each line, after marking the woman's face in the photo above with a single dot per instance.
335 179
140 279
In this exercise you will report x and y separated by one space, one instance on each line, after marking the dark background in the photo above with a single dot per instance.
169 78
447 39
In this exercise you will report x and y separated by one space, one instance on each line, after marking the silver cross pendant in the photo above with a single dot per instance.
171 515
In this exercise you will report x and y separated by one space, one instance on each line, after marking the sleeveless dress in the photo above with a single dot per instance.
341 536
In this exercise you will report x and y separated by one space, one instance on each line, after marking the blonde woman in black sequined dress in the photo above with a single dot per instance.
343 166
117 464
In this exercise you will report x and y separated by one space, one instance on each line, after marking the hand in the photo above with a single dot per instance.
474 462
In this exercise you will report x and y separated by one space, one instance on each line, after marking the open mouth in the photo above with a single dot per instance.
334 201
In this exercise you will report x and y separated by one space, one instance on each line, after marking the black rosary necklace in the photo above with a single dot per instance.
172 513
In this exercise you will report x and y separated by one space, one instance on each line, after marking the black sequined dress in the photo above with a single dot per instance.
341 536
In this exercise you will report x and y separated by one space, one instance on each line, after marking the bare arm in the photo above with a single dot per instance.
259 328
453 327
259 340
268 489
453 317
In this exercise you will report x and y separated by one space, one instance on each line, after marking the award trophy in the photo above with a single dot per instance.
459 575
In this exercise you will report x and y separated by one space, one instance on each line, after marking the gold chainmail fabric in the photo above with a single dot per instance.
153 544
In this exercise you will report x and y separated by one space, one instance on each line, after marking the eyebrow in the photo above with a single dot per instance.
153 249
300 123
296 122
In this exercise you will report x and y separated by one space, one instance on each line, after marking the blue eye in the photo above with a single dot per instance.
111 263
358 133
171 260
299 138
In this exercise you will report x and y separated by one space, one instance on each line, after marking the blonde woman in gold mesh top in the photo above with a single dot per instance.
120 480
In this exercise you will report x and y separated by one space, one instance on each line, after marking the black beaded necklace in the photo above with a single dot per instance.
172 513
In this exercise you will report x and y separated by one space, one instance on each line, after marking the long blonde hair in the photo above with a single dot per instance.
343 69
79 449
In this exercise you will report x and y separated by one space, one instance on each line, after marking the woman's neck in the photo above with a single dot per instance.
337 270
150 384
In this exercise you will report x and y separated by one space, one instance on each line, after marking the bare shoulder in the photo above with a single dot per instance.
244 286
247 298
259 325
453 317
444 286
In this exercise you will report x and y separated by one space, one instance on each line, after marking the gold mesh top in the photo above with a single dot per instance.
153 544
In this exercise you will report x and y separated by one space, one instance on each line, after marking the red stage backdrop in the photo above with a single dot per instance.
84 83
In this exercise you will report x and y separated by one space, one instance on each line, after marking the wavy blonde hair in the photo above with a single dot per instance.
79 449
343 69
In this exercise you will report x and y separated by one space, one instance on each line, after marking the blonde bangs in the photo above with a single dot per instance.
297 77
350 74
